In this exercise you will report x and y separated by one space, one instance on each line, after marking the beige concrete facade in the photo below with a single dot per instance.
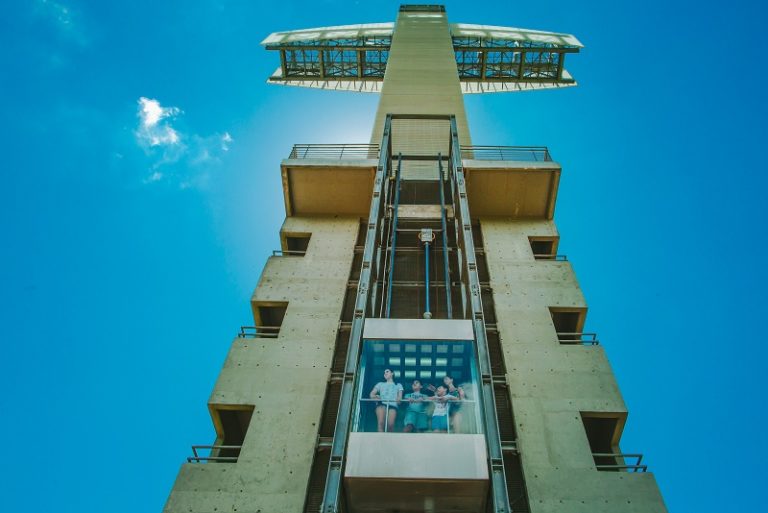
551 383
283 378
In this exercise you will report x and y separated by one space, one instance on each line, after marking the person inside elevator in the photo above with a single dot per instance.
389 394
458 393
443 402
415 415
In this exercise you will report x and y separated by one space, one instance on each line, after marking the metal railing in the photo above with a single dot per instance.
636 467
557 258
518 153
197 458
428 400
259 332
287 252
334 151
585 339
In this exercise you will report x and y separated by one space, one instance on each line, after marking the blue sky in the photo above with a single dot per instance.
141 197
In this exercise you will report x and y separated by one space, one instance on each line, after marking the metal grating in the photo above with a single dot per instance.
317 475
330 408
340 349
507 431
498 368
513 471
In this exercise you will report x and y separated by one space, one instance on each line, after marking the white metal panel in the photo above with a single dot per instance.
323 33
418 329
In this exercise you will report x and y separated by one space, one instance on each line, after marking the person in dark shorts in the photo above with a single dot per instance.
389 394
458 393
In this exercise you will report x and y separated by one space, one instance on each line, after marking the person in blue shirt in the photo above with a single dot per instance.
389 394
415 415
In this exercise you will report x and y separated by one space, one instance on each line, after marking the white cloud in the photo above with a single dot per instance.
184 158
225 140
154 127
154 177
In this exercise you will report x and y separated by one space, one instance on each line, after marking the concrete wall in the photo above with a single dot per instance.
550 383
421 78
284 378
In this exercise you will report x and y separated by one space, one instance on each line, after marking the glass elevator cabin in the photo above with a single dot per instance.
429 453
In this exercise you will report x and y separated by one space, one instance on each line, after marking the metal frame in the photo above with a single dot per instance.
513 153
464 224
509 60
637 467
196 458
259 332
331 495
336 59
444 237
334 151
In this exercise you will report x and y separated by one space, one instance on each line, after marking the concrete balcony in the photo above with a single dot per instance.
329 179
511 181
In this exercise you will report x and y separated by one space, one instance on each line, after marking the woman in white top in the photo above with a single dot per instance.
390 394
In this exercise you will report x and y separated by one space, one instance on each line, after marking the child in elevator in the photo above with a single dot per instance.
415 415
442 401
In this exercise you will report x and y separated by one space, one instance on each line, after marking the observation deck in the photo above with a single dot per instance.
518 182
489 59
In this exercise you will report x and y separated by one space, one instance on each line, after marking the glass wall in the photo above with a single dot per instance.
418 386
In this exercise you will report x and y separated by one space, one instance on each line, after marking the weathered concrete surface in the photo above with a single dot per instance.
284 378
550 384
421 78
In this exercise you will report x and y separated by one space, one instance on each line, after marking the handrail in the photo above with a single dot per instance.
429 399
288 252
518 153
197 458
587 339
547 256
259 332
637 467
334 151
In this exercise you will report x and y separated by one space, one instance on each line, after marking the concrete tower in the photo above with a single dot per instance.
417 257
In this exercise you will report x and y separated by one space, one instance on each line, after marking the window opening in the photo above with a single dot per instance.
543 248
231 428
569 324
269 316
297 243
603 435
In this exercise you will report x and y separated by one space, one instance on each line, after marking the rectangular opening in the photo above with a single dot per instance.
603 433
269 315
569 323
543 248
296 244
231 423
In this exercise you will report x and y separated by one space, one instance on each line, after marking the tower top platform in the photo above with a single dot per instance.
488 58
